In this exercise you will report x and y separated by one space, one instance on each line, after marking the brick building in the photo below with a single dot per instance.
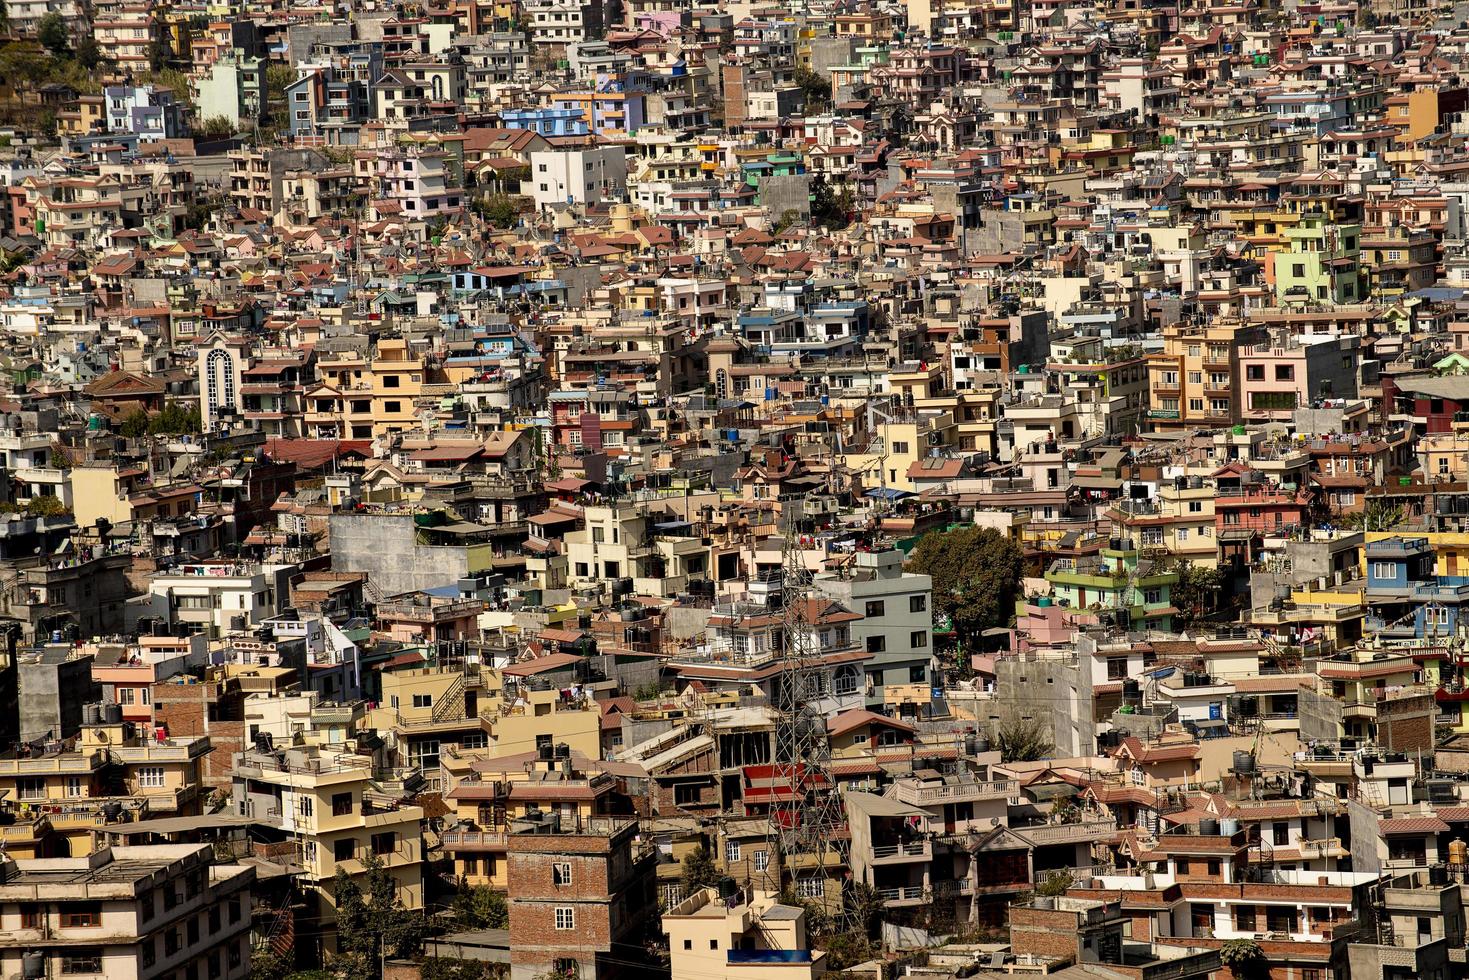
581 894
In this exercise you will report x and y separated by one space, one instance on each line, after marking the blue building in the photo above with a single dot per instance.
1407 598
547 121
145 111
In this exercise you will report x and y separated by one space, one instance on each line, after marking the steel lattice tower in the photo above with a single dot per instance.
807 820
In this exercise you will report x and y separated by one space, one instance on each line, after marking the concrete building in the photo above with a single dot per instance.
581 176
127 913
234 88
897 617
749 935
325 799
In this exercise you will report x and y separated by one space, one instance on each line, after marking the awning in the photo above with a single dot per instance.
888 493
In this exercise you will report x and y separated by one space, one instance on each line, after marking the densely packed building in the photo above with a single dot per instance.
565 490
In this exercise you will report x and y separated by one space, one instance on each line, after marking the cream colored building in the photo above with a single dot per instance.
127 913
751 935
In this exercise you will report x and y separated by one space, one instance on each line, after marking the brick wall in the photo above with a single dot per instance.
1043 932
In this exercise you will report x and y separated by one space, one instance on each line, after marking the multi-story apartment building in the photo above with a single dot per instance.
134 912
581 890
897 619
416 186
325 799
1195 380
126 32
715 937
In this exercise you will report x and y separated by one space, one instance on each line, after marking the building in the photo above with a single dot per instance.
581 176
897 622
131 911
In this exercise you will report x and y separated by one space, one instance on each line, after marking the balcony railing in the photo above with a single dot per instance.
911 849
911 893
996 789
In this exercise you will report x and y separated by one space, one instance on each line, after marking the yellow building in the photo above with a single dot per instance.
751 936
323 798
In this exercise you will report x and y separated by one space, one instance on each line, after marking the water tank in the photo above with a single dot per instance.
91 714
1438 875
33 965
112 714
547 752
1131 690
563 751
971 744
1244 762
1228 826
1044 602
1458 852
1209 827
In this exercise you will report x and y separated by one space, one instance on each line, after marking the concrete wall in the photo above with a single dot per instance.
1320 716
385 546
52 696
792 192
1365 842
1053 692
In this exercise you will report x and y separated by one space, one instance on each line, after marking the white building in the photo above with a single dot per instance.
897 616
578 176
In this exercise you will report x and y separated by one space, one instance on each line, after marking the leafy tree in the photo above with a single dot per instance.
1245 959
159 55
88 53
787 218
266 964
1024 741
1056 883
498 210
59 459
815 89
976 576
174 420
372 922
1378 515
829 207
135 426
480 907
217 128
1196 594
445 968
53 34
277 77
698 871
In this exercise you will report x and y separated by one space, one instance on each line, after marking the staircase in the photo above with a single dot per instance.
449 706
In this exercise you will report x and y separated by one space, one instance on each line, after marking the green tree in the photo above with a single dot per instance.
1245 959
1196 594
53 34
1023 740
159 55
498 210
371 921
59 458
1055 883
976 576
815 89
480 907
88 53
698 871
175 420
277 77
217 128
135 425
1378 515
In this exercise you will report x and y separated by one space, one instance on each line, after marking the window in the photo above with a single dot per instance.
384 843
876 644
306 806
685 794
151 777
762 860
811 887
75 787
917 603
875 608
731 852
392 408
1254 372
561 873
83 915
1116 668
1384 569
391 381
423 700
1244 918
344 849
565 917
81 961
900 448
1285 372
917 675
341 804
30 788
918 639
32 916
124 695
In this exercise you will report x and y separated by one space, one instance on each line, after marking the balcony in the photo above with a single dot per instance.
1067 833
474 840
996 789
910 895
918 850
